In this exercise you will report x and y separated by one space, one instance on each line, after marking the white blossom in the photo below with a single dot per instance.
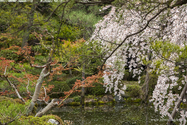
170 25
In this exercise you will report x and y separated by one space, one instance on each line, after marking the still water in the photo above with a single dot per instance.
126 114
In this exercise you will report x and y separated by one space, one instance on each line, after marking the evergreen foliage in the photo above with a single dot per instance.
11 110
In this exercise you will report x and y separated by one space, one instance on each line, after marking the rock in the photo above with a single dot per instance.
107 98
89 101
53 121
89 108
68 101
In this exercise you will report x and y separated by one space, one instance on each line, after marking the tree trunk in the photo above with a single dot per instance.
30 23
83 89
145 87
47 108
14 87
44 73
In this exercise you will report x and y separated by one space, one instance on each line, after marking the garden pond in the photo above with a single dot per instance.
119 114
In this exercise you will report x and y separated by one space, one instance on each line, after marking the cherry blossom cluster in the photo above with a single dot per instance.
131 32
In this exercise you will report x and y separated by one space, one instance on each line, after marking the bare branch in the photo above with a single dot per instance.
40 67
44 93
47 74
47 108
14 87
5 70
27 87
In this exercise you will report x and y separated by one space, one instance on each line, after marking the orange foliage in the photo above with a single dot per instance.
57 71
4 63
19 51
88 82
49 88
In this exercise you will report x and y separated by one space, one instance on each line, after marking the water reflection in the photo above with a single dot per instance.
121 114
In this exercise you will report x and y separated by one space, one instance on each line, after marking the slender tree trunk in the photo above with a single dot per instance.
30 23
82 116
147 115
83 89
145 87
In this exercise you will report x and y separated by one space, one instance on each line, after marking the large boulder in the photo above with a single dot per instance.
107 98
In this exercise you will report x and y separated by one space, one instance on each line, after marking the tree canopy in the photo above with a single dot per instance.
141 36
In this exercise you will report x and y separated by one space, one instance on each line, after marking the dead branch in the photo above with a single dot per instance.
47 108
12 85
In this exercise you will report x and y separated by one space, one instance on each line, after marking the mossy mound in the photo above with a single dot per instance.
31 120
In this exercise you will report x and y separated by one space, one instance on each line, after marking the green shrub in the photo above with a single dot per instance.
9 54
98 89
133 91
59 88
6 40
84 18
